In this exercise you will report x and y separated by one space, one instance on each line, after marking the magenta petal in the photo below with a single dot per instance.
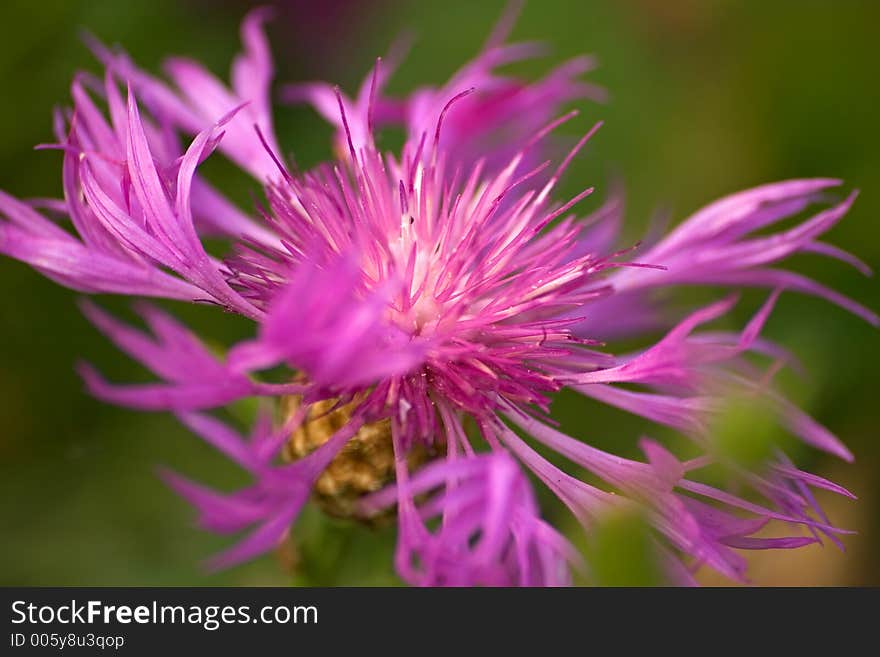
346 343
489 532
787 543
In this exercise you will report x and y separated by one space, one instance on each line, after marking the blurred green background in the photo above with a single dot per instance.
707 97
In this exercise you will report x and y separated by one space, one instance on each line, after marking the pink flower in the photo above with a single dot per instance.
429 304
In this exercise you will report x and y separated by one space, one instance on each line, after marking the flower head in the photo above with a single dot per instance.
425 307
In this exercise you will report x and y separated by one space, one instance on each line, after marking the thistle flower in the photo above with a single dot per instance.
426 307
